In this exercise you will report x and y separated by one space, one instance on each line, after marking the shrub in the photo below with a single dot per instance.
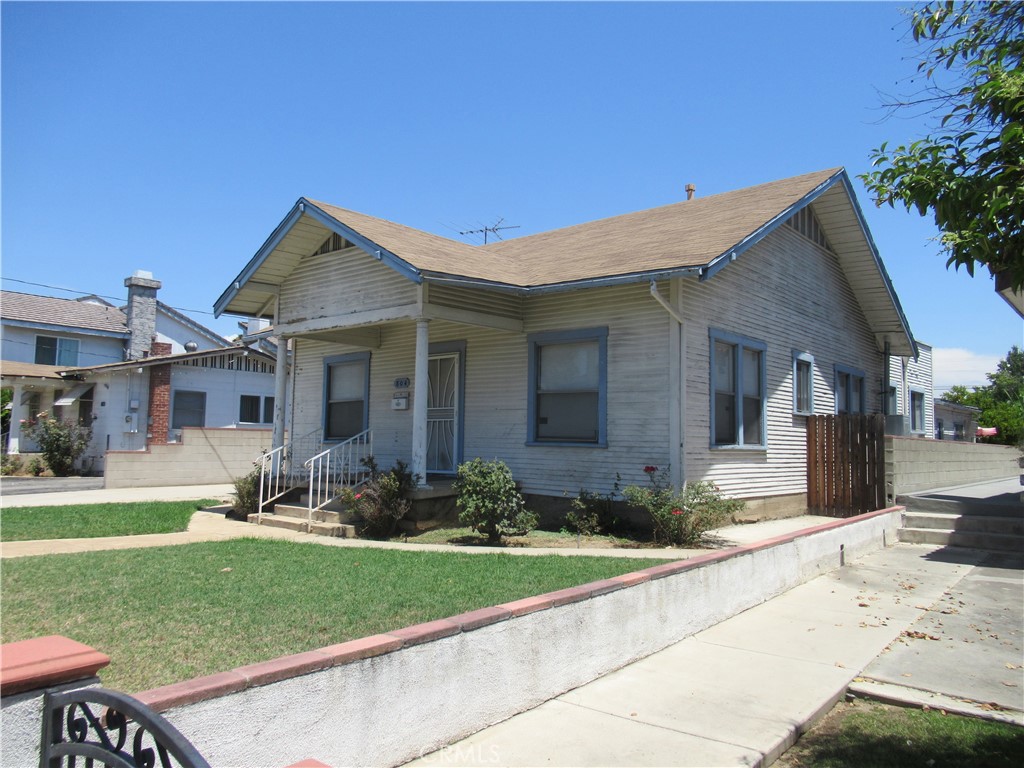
680 517
247 495
489 502
10 464
382 501
591 513
60 442
36 466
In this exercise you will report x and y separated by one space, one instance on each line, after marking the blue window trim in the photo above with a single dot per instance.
841 370
740 342
910 410
536 340
447 348
335 360
805 357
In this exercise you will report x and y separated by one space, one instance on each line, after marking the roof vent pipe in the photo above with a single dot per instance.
690 189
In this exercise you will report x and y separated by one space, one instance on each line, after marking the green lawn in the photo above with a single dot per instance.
872 735
86 521
168 614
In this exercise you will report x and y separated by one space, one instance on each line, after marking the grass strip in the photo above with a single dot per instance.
168 614
88 521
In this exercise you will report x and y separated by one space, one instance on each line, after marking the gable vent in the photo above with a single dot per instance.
806 223
333 243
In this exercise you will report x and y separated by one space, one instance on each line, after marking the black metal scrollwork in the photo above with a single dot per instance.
72 730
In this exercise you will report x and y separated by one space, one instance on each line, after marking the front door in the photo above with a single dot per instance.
443 434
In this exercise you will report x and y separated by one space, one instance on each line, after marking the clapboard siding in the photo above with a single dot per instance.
490 302
341 283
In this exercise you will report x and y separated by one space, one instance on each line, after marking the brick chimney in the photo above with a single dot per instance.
142 290
159 397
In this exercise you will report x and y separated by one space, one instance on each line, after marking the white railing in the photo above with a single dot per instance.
340 466
278 471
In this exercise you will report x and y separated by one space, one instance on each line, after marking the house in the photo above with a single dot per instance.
696 337
911 410
137 374
954 421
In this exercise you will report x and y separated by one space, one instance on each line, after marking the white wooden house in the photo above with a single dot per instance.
695 337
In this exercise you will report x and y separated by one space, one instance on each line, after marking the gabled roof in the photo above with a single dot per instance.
56 313
691 238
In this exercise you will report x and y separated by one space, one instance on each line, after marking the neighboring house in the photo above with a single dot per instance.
954 421
696 337
137 374
911 410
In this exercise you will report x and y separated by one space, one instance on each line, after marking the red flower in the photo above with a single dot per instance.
650 470
359 495
677 511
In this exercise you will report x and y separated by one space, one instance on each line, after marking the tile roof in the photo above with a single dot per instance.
48 310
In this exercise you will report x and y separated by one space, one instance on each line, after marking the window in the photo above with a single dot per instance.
938 430
849 390
916 411
568 387
958 430
53 350
893 401
346 400
249 409
189 409
737 391
803 383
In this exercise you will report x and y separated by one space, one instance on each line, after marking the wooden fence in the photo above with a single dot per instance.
845 464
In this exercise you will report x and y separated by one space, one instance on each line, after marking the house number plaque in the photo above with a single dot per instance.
402 383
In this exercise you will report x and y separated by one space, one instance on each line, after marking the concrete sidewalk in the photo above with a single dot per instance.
739 693
219 492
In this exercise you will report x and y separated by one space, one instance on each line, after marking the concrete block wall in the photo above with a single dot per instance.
203 456
913 464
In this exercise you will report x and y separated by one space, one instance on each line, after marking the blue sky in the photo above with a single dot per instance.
173 137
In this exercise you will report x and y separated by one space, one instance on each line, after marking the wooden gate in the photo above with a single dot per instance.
845 464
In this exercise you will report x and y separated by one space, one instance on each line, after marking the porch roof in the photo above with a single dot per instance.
11 369
691 238
181 357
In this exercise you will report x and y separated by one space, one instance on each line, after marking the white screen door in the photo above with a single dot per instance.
443 413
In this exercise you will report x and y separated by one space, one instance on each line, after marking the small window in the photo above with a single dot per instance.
938 430
893 401
737 391
849 390
252 407
268 410
347 383
568 374
54 350
916 411
803 383
189 409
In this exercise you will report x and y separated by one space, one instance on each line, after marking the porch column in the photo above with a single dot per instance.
18 412
419 403
280 392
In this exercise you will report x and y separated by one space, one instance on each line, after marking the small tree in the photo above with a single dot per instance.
62 443
489 502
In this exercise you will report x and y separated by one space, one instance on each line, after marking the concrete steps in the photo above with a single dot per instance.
962 523
326 522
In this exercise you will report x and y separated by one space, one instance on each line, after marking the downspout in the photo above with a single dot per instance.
887 378
677 384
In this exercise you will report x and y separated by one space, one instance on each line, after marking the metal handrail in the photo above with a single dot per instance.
276 473
337 467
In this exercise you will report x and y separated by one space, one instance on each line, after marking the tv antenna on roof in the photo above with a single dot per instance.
493 229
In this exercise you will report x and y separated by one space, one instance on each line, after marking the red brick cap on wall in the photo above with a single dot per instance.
43 661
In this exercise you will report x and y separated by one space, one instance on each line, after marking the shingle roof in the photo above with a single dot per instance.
31 370
48 310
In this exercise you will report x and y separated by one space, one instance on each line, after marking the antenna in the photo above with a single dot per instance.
493 229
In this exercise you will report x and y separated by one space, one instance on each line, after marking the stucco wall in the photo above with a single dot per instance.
918 465
387 699
203 456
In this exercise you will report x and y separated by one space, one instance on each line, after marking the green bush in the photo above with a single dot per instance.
10 464
60 442
680 517
382 501
36 466
247 495
489 502
592 513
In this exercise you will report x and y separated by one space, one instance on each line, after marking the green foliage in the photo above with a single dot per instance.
247 495
88 521
10 464
60 442
489 501
382 501
1001 401
969 173
680 517
592 513
36 466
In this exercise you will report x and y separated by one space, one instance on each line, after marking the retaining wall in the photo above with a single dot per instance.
386 699
203 456
915 464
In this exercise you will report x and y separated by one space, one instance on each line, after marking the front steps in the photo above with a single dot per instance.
331 521
962 523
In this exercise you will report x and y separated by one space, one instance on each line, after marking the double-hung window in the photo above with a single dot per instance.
346 396
738 394
849 390
56 350
916 411
568 387
803 383
189 409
